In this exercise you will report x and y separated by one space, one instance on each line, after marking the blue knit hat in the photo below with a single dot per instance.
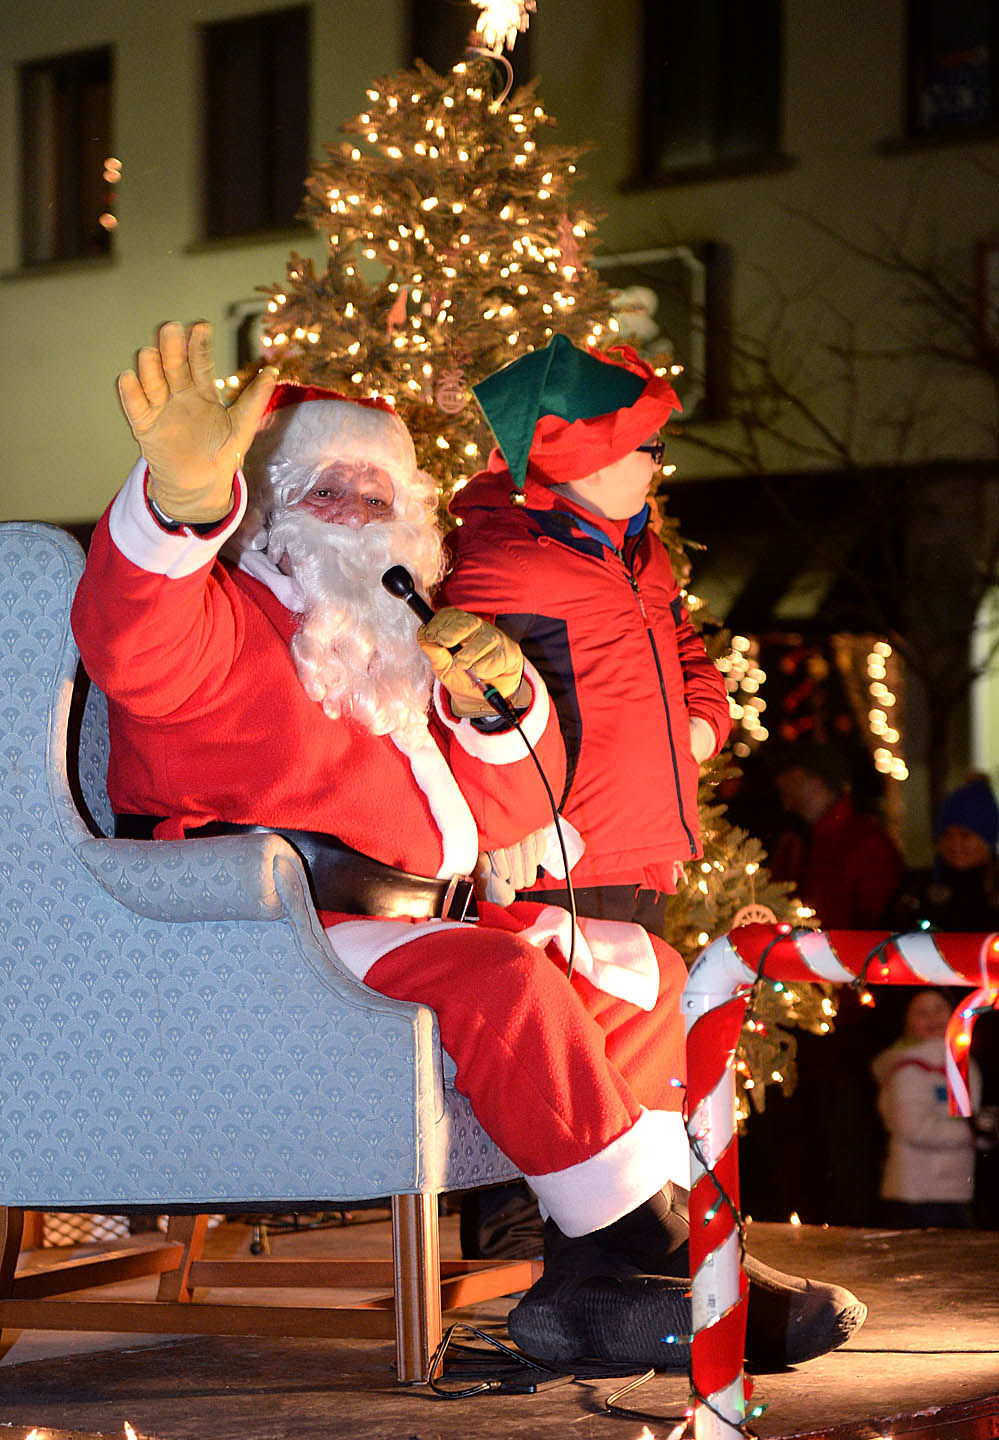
972 805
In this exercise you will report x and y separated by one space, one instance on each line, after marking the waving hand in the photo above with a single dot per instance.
191 442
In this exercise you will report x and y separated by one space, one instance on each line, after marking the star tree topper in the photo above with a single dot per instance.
501 21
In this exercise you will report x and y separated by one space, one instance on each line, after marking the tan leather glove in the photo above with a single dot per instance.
455 643
192 443
501 873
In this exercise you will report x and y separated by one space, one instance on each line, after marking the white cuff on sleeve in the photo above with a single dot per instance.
140 539
702 738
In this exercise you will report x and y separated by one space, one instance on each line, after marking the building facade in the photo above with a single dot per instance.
805 169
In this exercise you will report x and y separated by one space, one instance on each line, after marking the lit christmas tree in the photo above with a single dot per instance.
453 247
731 886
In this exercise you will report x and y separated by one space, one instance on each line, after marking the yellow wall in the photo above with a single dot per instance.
67 332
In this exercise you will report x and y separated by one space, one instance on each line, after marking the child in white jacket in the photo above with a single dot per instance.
929 1171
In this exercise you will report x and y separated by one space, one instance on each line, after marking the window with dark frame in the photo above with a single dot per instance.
952 52
711 87
65 142
256 122
440 31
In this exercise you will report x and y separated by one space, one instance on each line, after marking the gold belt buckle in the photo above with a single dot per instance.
449 894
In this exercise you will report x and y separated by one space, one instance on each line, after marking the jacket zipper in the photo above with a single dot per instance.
662 690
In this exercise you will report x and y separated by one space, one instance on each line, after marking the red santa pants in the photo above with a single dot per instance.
581 1090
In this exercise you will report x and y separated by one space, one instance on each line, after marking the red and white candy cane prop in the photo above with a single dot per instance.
715 1000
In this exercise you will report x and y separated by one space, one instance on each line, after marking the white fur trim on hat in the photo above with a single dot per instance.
316 433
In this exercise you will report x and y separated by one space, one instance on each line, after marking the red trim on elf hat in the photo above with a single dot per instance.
566 450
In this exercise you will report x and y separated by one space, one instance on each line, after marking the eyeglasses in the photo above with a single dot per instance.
655 448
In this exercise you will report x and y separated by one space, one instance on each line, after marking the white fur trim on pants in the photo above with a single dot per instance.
360 943
616 956
620 1177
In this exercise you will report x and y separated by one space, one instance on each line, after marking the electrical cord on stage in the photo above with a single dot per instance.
613 1406
398 582
518 1374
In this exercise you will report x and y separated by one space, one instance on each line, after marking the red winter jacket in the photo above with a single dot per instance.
627 671
848 868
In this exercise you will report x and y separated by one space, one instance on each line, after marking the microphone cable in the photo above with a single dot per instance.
398 582
570 893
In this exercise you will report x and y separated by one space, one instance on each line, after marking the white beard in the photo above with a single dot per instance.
356 651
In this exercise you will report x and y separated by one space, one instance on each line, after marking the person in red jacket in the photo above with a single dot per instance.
283 686
588 590
553 545
841 861
845 865
560 575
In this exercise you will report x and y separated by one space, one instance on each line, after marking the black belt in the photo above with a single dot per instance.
610 902
342 878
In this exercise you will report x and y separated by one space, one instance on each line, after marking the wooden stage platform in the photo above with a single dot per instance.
924 1367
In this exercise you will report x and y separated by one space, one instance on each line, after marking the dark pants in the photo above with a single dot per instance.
610 902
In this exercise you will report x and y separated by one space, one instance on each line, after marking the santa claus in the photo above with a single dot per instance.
258 674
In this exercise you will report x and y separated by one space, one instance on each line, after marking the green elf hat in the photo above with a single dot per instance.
563 413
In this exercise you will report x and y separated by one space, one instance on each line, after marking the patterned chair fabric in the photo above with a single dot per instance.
177 1030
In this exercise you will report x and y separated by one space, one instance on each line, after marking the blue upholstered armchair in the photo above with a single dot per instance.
179 1035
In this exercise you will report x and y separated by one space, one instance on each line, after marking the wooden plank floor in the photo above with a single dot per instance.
925 1366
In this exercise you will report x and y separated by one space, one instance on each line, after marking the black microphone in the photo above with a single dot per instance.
400 583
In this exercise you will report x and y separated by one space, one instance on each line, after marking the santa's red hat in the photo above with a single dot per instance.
305 428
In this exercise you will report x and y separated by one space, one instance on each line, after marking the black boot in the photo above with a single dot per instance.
623 1289
591 1304
789 1319
501 1222
653 1236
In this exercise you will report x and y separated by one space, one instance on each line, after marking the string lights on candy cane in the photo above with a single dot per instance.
716 996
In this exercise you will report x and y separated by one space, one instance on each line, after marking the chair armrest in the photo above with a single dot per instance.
226 877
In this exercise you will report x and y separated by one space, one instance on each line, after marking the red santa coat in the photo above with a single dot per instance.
210 721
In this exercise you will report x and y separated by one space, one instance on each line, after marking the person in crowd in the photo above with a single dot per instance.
844 864
961 889
841 861
285 687
929 1171
555 546
960 892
